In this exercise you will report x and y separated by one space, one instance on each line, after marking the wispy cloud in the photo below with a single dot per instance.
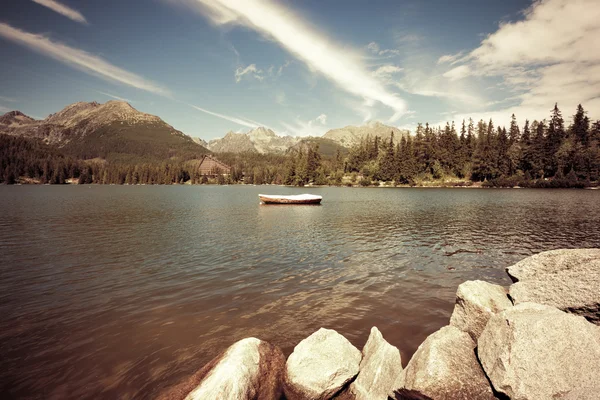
237 120
457 73
543 59
374 48
79 59
313 127
275 22
63 10
113 96
386 71
8 99
451 58
4 109
249 71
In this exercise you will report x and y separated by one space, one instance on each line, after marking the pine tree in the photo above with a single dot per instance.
581 126
514 134
387 164
554 140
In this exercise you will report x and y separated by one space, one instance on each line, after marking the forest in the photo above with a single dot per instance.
539 154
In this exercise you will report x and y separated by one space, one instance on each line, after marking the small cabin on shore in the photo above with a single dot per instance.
211 166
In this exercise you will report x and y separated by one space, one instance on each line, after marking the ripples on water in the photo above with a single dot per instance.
119 292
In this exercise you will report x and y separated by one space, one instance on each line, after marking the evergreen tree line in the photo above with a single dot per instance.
541 153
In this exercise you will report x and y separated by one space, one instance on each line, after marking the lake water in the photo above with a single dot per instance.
120 291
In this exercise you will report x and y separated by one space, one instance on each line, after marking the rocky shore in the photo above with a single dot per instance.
539 339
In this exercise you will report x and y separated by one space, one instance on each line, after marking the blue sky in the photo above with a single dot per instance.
302 67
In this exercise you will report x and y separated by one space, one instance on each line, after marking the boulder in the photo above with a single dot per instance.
250 369
379 369
445 367
476 302
534 351
320 366
566 279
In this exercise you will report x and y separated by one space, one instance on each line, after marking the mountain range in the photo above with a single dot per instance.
263 140
115 129
112 130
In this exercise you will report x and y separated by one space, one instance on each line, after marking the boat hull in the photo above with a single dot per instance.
290 199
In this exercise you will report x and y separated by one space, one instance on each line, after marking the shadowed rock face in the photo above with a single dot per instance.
476 302
566 279
380 367
250 369
320 366
533 351
445 367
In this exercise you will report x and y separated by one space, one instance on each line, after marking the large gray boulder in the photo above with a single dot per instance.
320 366
476 302
534 351
566 279
445 368
250 369
380 367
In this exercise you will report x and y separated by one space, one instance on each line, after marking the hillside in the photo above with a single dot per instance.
349 136
113 130
327 147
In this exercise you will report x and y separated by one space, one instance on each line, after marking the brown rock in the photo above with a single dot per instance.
320 366
445 368
566 279
476 302
250 369
380 367
534 351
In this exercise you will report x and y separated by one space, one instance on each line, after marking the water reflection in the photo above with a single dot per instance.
115 291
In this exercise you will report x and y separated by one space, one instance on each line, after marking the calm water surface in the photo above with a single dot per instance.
120 291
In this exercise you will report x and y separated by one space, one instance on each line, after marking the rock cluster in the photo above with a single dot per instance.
536 340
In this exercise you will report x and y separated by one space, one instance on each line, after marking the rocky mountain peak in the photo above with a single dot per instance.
15 118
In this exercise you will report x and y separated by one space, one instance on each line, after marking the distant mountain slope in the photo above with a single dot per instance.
232 143
350 135
327 147
260 140
111 130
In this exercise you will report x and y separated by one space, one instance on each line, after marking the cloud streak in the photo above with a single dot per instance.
337 63
237 120
63 9
113 96
79 59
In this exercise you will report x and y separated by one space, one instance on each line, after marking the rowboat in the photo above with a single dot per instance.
295 199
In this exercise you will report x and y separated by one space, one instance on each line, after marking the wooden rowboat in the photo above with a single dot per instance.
296 199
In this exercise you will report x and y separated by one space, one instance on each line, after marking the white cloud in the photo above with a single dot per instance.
336 62
374 48
321 119
549 56
313 127
8 99
282 67
458 73
386 71
4 110
280 97
237 120
113 96
79 59
63 10
450 58
250 71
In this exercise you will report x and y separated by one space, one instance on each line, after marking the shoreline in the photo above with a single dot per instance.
476 185
499 343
